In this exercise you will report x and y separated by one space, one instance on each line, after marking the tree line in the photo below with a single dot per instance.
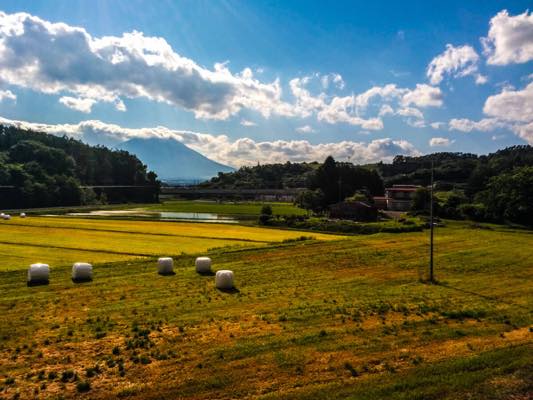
41 170
496 187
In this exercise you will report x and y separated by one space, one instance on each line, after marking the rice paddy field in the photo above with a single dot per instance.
227 208
326 318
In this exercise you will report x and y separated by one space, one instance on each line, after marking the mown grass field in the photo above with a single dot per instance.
227 208
333 319
61 241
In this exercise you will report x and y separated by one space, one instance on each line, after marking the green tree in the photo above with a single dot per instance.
509 196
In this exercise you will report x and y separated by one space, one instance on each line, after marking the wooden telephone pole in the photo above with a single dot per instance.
431 277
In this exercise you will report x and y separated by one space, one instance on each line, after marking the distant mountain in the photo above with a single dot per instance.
171 160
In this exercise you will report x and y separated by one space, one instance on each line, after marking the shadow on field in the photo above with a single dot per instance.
483 296
207 273
38 283
82 280
167 273
230 291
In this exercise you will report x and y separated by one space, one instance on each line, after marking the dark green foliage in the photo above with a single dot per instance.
40 170
338 181
509 196
83 386
270 176
311 200
474 212
266 214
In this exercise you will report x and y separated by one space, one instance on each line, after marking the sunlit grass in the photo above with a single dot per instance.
62 240
312 319
231 208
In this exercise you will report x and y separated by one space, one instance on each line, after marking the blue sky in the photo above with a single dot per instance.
295 79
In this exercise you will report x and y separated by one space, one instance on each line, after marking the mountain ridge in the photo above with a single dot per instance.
173 160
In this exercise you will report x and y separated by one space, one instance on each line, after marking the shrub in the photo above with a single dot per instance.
83 386
474 212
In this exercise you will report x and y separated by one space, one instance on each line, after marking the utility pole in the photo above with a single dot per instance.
431 278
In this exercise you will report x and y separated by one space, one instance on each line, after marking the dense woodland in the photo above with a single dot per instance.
495 187
40 170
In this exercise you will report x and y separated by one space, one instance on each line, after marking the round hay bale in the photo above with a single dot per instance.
22 215
165 266
224 279
38 273
6 216
82 271
203 265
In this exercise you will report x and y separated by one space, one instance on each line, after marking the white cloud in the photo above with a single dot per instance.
7 94
511 105
245 122
423 96
79 104
510 39
483 125
410 112
243 151
305 129
456 62
525 132
440 142
58 58
334 78
437 125
386 110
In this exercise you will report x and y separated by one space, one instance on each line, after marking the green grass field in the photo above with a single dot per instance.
318 319
227 208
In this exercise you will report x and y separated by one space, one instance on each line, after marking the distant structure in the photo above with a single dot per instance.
397 198
355 210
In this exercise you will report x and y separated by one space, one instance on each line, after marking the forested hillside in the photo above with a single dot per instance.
268 176
495 187
39 170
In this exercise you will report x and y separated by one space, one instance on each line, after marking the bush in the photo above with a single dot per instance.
473 212
83 386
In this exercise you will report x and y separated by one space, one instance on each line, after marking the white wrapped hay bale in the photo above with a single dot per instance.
224 279
6 216
22 215
203 265
165 265
38 273
82 271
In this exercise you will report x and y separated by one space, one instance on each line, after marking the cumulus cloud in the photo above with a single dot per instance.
437 125
440 142
456 62
58 58
305 129
245 122
82 105
423 96
7 94
525 132
333 78
243 151
514 108
510 39
511 105
483 125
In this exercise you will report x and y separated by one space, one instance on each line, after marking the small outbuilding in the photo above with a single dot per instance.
354 210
